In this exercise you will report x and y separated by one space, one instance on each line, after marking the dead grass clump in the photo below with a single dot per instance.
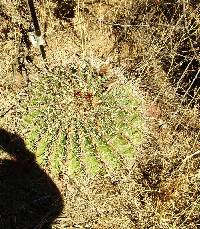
164 36
166 31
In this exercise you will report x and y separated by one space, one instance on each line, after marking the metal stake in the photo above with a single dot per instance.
36 37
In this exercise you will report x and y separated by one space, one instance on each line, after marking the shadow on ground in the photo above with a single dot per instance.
64 9
28 196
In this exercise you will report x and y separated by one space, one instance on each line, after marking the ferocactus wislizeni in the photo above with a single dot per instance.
82 122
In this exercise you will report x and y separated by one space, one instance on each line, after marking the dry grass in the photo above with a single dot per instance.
155 45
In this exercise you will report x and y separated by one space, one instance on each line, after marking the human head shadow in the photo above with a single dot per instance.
29 199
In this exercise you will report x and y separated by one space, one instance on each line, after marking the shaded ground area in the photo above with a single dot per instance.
65 9
28 196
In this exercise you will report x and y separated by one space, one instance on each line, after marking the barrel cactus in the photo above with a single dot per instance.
81 122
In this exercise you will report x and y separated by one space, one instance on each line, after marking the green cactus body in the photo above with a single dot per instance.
32 138
107 155
122 145
74 125
42 148
90 159
57 152
73 160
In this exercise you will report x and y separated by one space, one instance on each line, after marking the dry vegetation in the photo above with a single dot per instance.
154 44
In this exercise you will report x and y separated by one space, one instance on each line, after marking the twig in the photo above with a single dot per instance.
197 153
5 112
